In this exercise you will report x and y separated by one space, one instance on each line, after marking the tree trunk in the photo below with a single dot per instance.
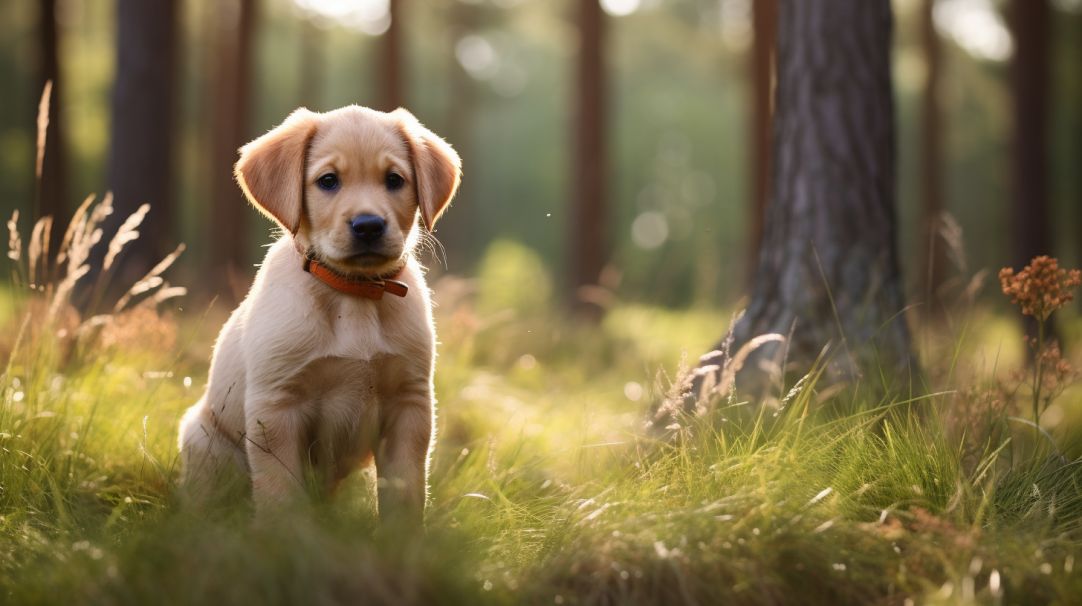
1030 22
391 66
53 185
311 80
1076 50
227 242
765 22
142 142
456 230
589 174
829 259
934 267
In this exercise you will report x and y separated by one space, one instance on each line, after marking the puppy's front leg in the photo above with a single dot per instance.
273 442
402 458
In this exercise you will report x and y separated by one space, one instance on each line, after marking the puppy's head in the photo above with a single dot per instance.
350 184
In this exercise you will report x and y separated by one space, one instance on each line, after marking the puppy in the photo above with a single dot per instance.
328 362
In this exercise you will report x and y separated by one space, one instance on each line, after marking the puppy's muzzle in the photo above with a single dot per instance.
368 229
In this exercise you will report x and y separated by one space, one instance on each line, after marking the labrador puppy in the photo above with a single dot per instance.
317 370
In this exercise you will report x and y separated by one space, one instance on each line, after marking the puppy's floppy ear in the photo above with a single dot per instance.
271 169
436 167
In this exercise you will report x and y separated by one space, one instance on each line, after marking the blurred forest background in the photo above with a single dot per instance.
676 154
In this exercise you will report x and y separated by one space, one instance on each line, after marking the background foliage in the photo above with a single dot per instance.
679 117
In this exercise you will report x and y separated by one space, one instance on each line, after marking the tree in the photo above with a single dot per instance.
828 258
933 270
589 240
391 65
765 24
53 183
228 215
1029 77
456 229
312 60
141 155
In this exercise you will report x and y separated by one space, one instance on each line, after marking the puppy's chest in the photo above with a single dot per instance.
333 381
356 329
359 354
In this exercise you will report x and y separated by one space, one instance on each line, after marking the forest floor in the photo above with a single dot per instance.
545 487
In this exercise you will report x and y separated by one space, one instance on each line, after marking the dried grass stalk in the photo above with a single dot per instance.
679 389
39 248
728 375
166 292
125 234
149 281
43 125
63 290
951 232
718 359
91 324
718 373
82 234
73 225
15 242
87 233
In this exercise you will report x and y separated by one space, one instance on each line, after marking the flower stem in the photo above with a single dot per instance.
1037 383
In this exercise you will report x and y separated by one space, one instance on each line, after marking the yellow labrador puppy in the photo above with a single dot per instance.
318 369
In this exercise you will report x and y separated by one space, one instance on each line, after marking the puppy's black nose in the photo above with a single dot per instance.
368 228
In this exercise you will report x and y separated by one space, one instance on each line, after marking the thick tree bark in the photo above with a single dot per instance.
52 192
227 242
1030 22
589 174
141 156
934 267
829 259
391 66
763 51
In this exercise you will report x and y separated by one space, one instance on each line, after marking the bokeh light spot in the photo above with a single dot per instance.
619 8
649 230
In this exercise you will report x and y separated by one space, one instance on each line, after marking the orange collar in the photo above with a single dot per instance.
369 289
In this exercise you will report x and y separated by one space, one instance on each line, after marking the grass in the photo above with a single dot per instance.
545 488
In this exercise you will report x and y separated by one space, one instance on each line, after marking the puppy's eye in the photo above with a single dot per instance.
328 181
395 181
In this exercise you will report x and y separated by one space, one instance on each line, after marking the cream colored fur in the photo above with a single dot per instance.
305 377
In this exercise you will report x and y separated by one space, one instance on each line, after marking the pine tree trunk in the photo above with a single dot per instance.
1030 22
934 267
765 22
228 216
312 66
391 66
589 237
829 259
456 229
52 194
141 156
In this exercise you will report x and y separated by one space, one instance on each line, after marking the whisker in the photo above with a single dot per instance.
431 241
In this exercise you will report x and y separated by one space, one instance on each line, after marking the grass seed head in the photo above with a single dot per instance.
126 233
43 125
15 242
